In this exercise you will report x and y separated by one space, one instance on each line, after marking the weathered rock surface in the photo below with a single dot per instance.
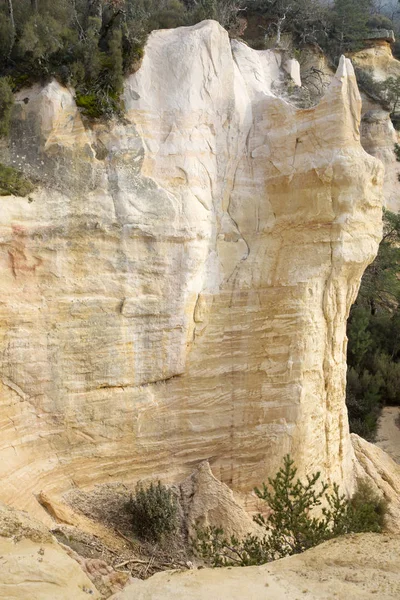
357 567
206 502
383 35
34 566
383 474
176 288
378 138
378 135
378 60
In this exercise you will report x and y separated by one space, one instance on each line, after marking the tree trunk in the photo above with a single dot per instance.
11 15
279 30
34 5
372 306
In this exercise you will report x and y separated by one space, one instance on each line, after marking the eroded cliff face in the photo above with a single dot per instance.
378 136
377 59
176 289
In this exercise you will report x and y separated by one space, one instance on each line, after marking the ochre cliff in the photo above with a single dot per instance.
378 136
177 286
378 60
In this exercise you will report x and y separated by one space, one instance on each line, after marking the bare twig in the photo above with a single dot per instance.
125 538
150 564
130 561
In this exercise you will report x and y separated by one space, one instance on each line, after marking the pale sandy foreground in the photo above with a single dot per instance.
388 435
33 566
360 566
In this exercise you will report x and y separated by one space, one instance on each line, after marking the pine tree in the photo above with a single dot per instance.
293 525
350 19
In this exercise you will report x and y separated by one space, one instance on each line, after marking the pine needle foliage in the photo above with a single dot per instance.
373 331
301 516
91 44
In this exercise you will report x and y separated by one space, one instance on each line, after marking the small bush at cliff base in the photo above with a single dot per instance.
6 104
292 526
154 512
366 511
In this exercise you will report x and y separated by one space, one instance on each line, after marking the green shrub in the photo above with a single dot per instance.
154 512
293 525
90 105
389 375
366 511
171 13
358 332
217 550
41 37
98 104
13 182
364 400
6 104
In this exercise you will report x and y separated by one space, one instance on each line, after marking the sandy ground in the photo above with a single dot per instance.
355 567
388 436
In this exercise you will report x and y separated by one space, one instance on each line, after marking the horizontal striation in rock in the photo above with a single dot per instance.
176 288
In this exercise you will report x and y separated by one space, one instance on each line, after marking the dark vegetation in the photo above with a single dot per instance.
373 378
147 538
14 182
292 525
89 44
92 44
154 512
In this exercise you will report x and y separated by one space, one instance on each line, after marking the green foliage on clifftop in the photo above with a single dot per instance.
92 44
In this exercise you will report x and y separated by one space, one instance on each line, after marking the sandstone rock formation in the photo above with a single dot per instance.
382 474
378 59
358 567
176 288
206 502
378 138
378 135
34 566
